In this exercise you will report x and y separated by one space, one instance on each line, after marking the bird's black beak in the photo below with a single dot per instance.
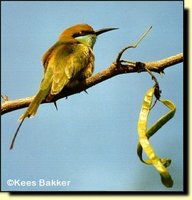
100 31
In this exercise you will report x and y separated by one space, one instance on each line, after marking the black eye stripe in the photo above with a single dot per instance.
82 33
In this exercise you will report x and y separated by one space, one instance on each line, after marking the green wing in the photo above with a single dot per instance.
68 64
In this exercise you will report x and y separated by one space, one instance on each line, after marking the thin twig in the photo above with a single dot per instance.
132 46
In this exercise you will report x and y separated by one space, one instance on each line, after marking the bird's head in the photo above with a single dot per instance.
82 33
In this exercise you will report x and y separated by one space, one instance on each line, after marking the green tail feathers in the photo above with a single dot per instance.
32 109
30 112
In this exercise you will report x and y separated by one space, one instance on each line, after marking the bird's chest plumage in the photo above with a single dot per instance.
83 62
68 64
87 71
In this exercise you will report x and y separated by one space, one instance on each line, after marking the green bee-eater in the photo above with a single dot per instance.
69 61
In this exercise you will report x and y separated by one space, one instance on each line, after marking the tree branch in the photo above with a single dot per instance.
114 69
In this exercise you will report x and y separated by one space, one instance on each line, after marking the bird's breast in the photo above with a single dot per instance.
87 71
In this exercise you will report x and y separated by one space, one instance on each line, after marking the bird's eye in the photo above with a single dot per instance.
81 33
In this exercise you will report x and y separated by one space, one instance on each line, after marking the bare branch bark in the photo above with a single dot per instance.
114 69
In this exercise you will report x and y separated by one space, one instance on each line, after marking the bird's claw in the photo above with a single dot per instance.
55 104
86 91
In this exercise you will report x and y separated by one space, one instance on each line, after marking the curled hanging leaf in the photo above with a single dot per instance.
159 163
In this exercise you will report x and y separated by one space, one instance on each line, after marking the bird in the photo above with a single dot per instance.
68 62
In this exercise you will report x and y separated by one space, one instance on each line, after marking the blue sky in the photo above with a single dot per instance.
91 140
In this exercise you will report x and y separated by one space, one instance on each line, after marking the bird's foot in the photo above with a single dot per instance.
55 104
86 91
